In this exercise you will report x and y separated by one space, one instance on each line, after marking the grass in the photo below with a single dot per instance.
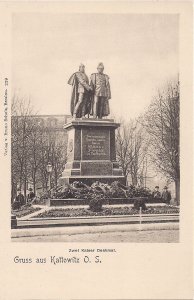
85 212
24 211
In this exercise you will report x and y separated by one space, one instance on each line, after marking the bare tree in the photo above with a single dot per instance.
44 156
162 123
123 138
56 151
34 144
22 127
132 150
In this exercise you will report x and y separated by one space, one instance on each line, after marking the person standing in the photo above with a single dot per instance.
31 195
80 92
156 193
20 199
101 93
166 195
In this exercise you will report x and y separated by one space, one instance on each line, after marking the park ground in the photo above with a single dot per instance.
129 233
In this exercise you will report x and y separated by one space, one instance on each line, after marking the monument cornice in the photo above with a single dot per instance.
91 123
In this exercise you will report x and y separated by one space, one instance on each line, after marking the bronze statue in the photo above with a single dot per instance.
90 99
100 93
80 102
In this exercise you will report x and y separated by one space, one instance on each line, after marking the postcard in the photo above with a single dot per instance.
97 151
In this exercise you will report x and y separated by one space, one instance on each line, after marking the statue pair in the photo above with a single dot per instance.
90 98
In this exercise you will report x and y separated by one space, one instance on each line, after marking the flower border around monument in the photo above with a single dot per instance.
112 211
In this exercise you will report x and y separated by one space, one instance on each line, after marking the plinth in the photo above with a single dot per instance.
91 153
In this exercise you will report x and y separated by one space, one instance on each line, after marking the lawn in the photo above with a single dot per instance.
85 212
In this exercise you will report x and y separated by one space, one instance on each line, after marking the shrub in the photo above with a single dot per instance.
117 191
102 188
16 205
138 192
139 202
80 190
95 203
63 192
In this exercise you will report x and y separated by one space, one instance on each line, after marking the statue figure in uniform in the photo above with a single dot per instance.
100 93
80 97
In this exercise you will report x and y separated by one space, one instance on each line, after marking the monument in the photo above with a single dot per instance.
91 150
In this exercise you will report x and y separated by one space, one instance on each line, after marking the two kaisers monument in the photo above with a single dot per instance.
91 153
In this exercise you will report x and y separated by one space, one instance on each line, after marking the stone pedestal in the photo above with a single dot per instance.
91 153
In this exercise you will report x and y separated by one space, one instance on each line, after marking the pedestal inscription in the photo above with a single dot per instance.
95 144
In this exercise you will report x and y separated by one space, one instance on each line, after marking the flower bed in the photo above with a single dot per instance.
111 201
84 212
24 211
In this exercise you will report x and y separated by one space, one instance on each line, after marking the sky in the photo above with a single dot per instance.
139 52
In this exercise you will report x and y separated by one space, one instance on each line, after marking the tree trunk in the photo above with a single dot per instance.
177 190
34 183
25 197
126 180
134 179
13 192
55 179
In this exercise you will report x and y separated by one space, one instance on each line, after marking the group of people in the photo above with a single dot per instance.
90 98
165 195
20 200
